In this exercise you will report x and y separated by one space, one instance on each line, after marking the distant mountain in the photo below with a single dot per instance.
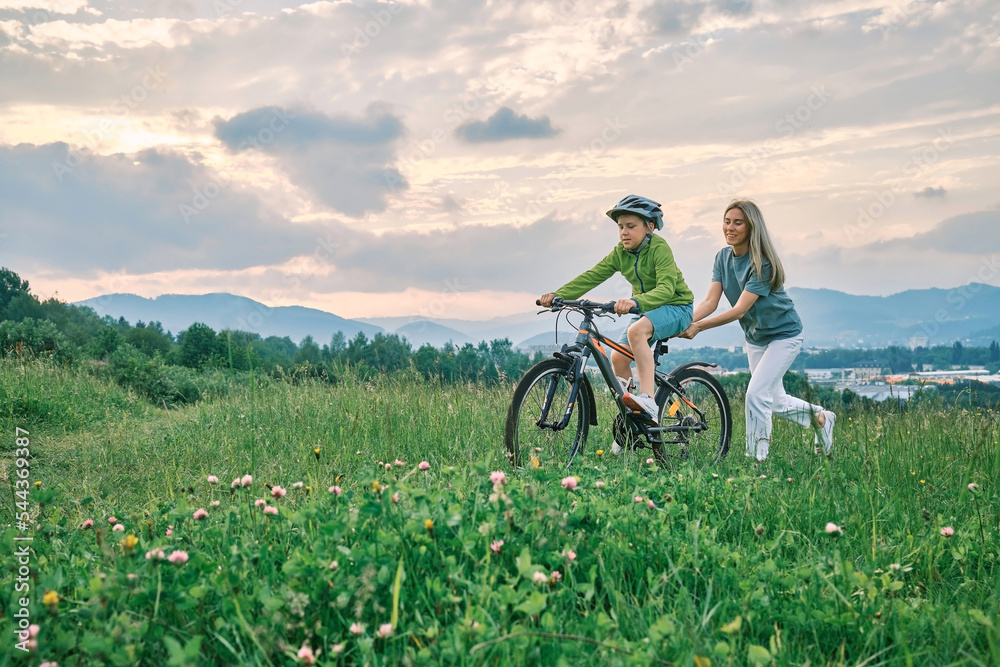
970 314
176 312
423 332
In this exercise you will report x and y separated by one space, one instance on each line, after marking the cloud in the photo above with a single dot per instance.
83 214
671 17
931 193
505 124
345 162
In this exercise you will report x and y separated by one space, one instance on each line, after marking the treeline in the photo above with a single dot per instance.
170 369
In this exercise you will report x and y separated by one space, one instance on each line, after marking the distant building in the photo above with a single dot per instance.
866 371
821 375
918 341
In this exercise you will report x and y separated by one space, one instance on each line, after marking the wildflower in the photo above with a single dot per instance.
50 598
599 484
715 475
38 485
212 479
118 528
496 545
112 520
155 554
973 486
556 577
424 465
895 567
760 530
334 565
538 449
49 664
570 554
384 630
650 461
236 482
179 557
376 486
298 485
789 479
388 466
395 497
170 531
215 503
357 628
259 502
200 514
129 541
600 452
278 492
247 480
89 523
947 531
33 630
833 529
498 477
270 509
306 655
763 476
335 490
398 463
638 499
309 489
569 483
535 463
316 453
540 578
651 504
428 524
338 648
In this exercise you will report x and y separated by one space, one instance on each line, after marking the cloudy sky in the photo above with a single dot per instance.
455 157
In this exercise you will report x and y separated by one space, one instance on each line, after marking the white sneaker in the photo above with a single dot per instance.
826 432
642 403
616 449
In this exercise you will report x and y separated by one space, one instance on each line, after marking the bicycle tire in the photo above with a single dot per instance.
700 448
523 437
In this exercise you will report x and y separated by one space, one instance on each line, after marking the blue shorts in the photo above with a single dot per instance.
667 321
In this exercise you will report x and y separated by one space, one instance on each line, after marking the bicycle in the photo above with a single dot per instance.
694 412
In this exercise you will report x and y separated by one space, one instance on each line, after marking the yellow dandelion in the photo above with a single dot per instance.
600 452
535 463
50 598
37 484
428 524
309 489
376 486
316 452
129 541
922 481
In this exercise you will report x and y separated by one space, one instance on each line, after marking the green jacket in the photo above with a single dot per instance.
656 281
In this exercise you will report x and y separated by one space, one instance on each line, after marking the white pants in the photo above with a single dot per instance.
766 395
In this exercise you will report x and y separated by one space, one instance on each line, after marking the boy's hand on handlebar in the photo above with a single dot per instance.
624 306
546 300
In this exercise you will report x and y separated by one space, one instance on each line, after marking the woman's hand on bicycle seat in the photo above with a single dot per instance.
624 306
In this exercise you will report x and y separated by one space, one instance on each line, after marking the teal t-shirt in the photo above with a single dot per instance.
772 317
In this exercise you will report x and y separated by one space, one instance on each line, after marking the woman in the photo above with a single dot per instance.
752 277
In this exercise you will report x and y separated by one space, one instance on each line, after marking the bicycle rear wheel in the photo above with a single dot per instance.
542 396
701 414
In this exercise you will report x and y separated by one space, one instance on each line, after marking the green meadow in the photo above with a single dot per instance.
344 549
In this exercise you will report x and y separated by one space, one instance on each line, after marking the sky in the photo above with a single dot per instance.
455 158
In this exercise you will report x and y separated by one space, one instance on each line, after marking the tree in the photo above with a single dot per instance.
994 351
10 286
956 353
198 345
308 352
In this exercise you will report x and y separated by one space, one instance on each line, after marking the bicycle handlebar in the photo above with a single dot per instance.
609 307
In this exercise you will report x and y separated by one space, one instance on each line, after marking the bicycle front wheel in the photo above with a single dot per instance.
700 417
541 400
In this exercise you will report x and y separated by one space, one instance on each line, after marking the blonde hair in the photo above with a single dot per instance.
761 247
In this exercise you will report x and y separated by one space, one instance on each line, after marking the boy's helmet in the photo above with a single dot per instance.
640 206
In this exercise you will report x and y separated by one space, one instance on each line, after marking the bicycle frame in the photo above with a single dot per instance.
591 343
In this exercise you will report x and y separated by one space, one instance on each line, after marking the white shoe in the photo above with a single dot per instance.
617 449
826 431
643 403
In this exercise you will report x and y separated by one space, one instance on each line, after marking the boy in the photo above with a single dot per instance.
658 289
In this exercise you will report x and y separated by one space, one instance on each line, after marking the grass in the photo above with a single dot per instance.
728 566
